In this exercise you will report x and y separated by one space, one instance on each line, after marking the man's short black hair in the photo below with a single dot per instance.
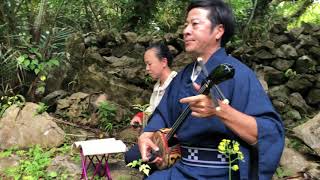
162 51
219 13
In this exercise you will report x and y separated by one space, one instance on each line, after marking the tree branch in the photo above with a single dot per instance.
301 9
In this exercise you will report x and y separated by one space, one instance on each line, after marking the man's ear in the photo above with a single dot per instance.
220 31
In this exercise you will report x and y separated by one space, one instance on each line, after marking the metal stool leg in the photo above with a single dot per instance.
101 164
84 166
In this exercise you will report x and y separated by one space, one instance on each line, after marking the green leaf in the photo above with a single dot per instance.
146 171
32 66
36 71
130 165
55 62
41 89
26 63
21 59
145 168
53 174
5 154
41 66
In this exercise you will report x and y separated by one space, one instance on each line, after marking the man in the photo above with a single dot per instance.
249 118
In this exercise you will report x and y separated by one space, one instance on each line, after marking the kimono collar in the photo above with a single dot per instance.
166 83
216 59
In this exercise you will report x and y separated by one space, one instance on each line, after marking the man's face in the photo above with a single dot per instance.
198 35
154 65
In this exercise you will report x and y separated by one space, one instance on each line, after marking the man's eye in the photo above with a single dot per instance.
194 24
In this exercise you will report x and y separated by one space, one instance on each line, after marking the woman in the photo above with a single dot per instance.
158 60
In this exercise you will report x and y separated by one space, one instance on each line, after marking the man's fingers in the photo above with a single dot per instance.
191 99
146 150
195 114
144 153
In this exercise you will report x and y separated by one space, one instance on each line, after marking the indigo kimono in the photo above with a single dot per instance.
245 94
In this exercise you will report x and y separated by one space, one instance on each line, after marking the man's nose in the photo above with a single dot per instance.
186 30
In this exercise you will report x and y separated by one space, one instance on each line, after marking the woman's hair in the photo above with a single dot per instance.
162 51
219 13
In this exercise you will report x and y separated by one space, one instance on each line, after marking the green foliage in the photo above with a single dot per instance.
36 63
32 166
296 144
169 14
7 101
231 149
65 149
34 162
143 167
141 108
7 152
8 65
241 10
42 107
290 73
288 8
312 15
282 173
107 113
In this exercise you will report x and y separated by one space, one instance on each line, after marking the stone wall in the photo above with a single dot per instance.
288 65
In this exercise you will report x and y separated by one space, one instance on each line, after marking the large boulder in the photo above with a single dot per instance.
295 165
309 132
24 127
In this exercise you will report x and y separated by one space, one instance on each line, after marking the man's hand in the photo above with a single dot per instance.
146 146
200 105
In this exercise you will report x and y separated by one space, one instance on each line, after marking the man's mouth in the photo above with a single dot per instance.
188 41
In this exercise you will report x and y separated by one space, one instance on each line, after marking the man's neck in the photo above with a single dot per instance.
206 55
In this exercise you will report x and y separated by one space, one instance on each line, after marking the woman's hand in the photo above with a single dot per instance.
136 120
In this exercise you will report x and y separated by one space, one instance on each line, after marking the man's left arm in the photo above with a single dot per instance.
245 126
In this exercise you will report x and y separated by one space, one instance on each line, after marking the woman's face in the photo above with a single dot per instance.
154 65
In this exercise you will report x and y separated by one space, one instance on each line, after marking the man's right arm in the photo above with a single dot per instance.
144 141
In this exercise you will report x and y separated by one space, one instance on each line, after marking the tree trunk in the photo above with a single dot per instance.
95 16
7 16
142 11
261 8
301 9
89 20
36 30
